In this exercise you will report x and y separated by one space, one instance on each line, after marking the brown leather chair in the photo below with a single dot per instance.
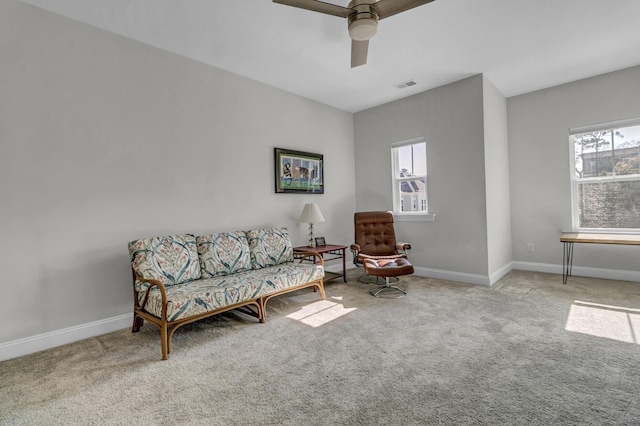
377 251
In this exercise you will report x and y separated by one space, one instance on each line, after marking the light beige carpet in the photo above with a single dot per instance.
527 350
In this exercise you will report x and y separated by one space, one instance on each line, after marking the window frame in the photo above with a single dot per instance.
575 181
403 216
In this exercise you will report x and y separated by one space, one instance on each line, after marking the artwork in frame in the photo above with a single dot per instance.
320 242
298 172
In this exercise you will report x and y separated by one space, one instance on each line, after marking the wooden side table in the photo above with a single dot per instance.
568 238
328 252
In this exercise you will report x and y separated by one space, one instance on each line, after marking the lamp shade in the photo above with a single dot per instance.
311 214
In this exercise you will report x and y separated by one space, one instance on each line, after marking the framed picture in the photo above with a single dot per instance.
298 172
320 242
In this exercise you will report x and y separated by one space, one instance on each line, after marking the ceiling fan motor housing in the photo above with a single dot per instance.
363 22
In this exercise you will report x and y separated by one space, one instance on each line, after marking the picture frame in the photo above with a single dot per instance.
320 242
298 172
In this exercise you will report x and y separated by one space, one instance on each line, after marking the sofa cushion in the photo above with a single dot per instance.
269 246
208 294
223 254
171 260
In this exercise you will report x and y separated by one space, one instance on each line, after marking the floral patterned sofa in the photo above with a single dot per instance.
180 279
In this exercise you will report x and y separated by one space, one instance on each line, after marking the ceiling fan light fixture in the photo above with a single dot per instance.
363 29
362 16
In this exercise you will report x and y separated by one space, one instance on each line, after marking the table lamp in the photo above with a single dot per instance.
311 214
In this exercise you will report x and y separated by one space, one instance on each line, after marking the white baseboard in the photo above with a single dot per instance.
495 276
452 276
581 271
40 342
537 267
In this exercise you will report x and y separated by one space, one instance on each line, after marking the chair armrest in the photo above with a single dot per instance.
355 251
152 283
403 246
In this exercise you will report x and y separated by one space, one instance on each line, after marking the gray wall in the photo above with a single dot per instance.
451 119
496 159
539 124
104 140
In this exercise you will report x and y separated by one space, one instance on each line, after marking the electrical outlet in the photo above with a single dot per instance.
530 247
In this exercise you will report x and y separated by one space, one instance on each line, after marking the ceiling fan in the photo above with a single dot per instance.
363 17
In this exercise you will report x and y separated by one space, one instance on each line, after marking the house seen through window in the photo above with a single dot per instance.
410 177
606 177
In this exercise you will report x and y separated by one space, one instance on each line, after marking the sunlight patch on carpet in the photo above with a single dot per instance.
320 313
611 322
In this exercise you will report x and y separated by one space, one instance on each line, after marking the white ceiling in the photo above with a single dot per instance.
520 45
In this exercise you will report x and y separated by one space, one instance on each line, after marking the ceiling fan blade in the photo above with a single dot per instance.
359 51
386 8
318 6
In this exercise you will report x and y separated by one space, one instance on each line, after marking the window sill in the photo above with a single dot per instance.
430 217
621 231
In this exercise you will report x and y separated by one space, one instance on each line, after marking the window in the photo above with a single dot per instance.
410 179
606 177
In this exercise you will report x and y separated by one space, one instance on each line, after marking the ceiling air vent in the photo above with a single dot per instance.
405 84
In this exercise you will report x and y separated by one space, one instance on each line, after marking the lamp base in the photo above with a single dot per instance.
312 241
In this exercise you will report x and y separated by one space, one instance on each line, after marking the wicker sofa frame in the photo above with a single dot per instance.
253 306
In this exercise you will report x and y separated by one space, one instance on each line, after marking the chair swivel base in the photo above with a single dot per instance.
388 288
